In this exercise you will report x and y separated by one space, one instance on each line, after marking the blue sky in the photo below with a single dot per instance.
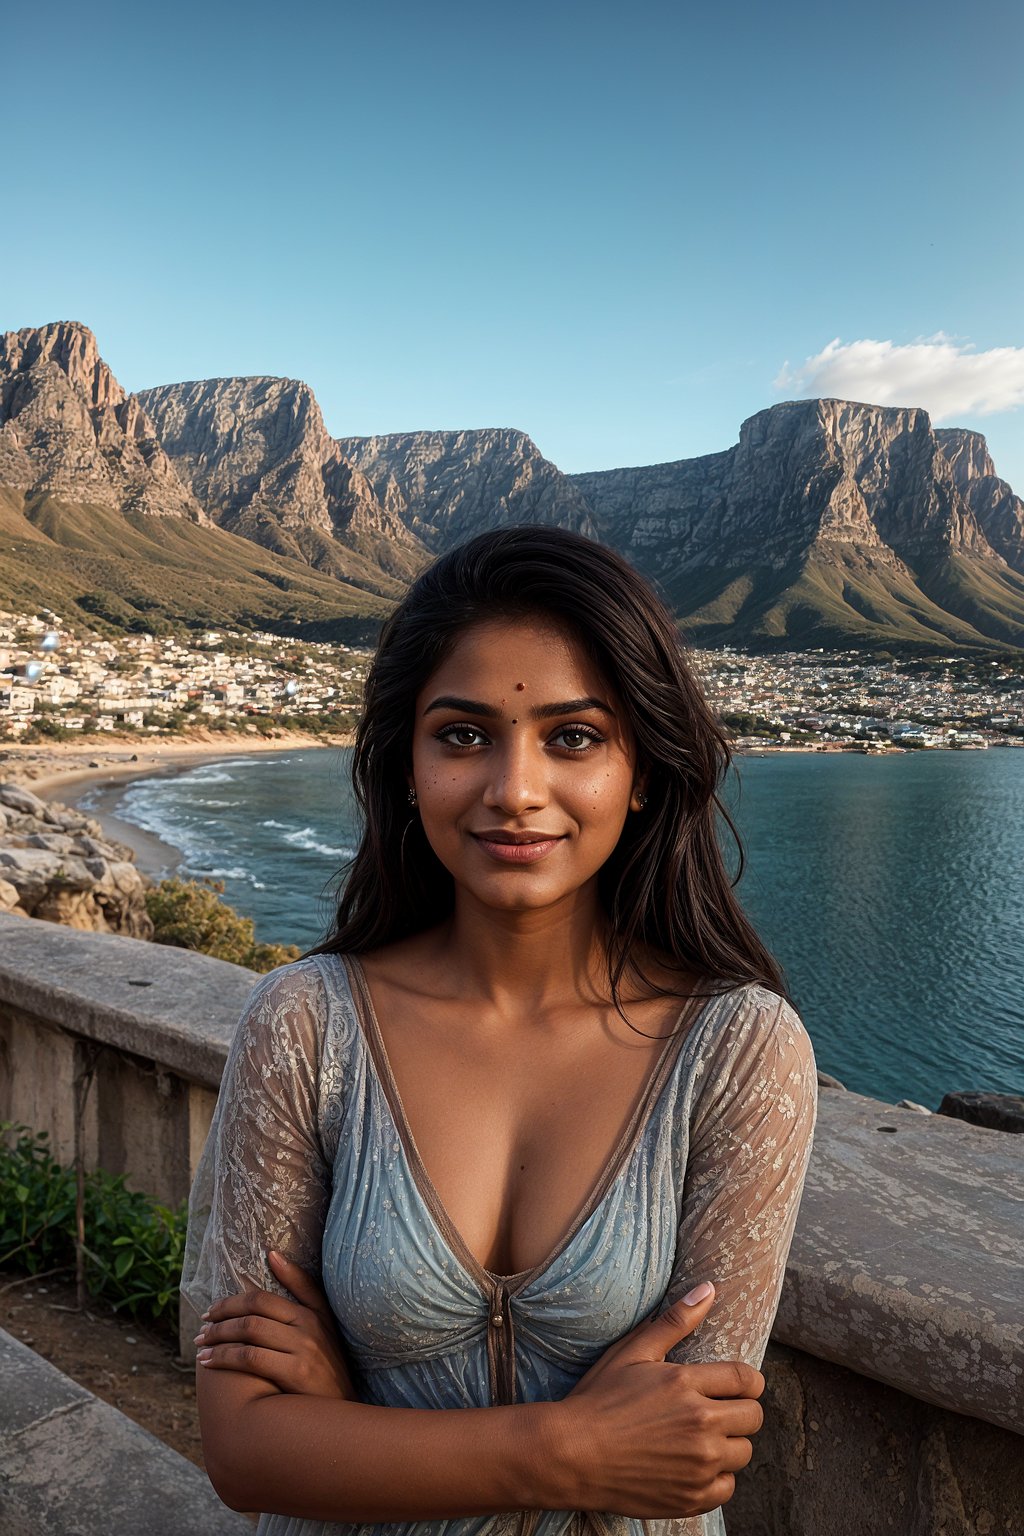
620 229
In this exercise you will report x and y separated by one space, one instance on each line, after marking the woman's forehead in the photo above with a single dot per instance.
522 656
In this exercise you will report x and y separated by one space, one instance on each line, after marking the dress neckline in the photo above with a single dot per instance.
618 1161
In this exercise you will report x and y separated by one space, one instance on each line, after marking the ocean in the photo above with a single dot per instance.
891 889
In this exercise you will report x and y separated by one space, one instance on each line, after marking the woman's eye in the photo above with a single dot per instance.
576 737
461 735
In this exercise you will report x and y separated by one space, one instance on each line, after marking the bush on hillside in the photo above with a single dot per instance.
189 914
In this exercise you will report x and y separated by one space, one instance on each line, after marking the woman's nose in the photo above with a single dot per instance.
517 782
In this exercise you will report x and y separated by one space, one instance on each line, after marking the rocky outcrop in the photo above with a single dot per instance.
994 1111
447 486
256 453
56 864
67 428
998 510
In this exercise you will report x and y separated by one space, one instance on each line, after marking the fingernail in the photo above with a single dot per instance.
199 1336
698 1293
205 1316
204 1356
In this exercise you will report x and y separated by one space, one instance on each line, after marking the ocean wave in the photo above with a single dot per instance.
306 838
273 823
233 873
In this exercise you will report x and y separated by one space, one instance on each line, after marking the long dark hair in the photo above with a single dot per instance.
666 884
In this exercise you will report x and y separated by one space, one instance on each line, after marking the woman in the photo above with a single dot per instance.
536 1115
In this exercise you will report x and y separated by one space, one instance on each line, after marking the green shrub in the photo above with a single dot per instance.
45 729
37 1203
189 914
133 1244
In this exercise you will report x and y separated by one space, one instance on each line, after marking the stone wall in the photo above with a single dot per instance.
841 1455
894 1399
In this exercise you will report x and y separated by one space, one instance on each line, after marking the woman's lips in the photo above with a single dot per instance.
518 853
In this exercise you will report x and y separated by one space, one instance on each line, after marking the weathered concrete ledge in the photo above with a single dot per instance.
145 1025
163 1004
906 1262
71 1465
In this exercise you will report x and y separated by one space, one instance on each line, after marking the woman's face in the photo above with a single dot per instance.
523 765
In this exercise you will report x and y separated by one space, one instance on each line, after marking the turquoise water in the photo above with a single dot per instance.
890 888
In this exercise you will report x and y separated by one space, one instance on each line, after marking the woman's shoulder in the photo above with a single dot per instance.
301 995
753 1024
753 1006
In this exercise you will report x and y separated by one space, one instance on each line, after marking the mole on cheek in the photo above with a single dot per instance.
520 687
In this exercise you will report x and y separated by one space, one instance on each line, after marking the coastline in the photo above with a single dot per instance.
68 772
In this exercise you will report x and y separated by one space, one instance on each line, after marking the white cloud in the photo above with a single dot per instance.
939 373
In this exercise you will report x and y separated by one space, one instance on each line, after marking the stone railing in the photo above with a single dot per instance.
896 1367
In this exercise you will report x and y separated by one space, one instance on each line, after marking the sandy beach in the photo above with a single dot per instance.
67 772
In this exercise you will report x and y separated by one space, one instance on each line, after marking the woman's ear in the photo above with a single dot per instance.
638 799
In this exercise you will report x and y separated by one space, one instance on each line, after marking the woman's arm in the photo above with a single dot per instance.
325 1458
637 1435
751 1132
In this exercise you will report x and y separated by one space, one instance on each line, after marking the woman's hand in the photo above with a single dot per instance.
658 1440
292 1343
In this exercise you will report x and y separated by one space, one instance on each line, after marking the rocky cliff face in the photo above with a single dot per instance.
98 525
828 522
68 428
256 454
56 864
805 475
446 486
998 510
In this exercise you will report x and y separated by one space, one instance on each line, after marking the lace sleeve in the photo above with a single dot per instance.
263 1180
751 1130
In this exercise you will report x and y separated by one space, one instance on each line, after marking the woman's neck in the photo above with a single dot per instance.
528 959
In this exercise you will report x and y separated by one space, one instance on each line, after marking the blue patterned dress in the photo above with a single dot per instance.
310 1152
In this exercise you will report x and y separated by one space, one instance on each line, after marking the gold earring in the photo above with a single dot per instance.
641 800
412 795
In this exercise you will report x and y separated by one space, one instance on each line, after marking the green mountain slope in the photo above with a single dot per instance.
142 572
846 599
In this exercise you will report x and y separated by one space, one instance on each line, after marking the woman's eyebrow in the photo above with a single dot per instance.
570 707
466 706
538 712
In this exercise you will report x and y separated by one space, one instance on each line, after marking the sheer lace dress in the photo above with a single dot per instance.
310 1153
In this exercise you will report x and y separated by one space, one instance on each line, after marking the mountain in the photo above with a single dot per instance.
68 430
446 486
999 511
96 521
256 454
830 523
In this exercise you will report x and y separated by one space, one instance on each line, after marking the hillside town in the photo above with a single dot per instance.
55 682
